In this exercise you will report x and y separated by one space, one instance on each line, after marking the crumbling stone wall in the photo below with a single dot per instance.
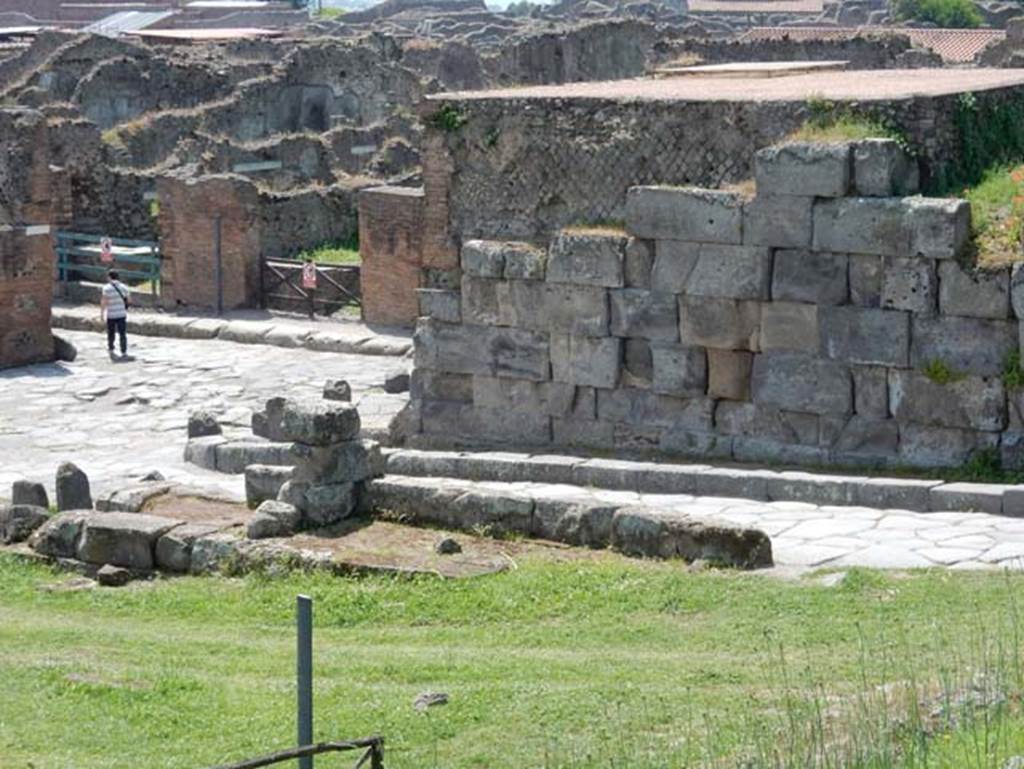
33 198
795 326
889 51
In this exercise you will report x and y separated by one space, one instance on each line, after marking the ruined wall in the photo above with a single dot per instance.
33 198
520 168
796 326
875 52
391 248
293 222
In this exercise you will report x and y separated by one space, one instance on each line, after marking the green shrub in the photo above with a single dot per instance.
941 372
1013 374
944 13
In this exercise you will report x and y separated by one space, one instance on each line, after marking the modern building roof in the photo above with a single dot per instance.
203 35
955 46
849 85
123 22
748 7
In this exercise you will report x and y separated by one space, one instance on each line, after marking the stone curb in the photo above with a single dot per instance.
915 495
241 331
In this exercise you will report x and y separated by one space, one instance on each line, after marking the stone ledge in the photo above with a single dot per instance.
275 333
916 495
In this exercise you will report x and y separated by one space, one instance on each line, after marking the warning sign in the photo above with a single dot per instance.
309 275
106 251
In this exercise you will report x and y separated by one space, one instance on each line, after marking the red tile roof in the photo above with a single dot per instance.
953 45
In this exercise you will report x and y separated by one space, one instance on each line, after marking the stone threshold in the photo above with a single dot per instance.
276 332
915 495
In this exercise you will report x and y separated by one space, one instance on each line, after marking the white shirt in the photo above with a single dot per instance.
115 301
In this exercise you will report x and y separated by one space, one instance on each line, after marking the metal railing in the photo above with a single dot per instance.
372 747
282 280
134 259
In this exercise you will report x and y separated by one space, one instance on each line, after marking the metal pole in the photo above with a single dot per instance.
218 266
304 674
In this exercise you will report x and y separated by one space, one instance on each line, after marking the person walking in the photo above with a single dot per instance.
114 309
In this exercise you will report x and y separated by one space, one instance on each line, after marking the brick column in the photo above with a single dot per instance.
391 228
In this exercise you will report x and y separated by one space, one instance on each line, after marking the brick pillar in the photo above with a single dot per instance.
391 226
188 213
439 250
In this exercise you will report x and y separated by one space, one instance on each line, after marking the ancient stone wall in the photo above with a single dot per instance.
34 199
828 319
875 52
520 168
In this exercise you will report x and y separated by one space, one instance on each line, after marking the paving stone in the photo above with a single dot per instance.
872 337
977 294
720 481
815 170
789 326
1013 501
684 213
780 221
586 259
815 277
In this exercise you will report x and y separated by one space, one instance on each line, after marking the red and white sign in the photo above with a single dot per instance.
106 251
309 275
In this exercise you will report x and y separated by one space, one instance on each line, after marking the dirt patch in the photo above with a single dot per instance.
199 510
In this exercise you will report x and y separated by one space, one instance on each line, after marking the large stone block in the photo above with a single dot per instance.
647 408
816 170
976 294
425 384
321 504
729 374
685 213
588 361
779 221
587 259
789 326
695 443
940 228
973 403
29 493
466 423
480 300
731 272
582 433
769 423
638 263
523 303
73 492
724 324
552 398
440 304
523 262
968 345
809 276
644 314
872 337
674 260
652 533
343 462
122 539
173 551
860 439
468 349
881 168
580 310
483 258
870 392
1017 287
797 382
263 482
678 370
233 457
319 423
862 226
637 363
866 274
910 284
59 536
17 522
923 446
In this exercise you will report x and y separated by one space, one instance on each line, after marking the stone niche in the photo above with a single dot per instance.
34 199
795 325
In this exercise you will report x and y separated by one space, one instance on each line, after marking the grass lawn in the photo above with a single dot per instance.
607 664
997 215
342 252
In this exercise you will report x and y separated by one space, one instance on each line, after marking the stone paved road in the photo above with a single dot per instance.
117 420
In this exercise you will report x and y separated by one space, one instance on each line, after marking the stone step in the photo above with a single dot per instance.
568 514
751 483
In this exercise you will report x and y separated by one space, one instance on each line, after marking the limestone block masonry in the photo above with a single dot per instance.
804 324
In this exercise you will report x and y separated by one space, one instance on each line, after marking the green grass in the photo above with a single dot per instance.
326 14
335 252
845 128
605 664
997 215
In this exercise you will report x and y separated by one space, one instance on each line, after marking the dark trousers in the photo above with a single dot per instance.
120 327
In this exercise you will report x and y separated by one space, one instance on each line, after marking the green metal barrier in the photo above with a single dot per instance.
133 259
